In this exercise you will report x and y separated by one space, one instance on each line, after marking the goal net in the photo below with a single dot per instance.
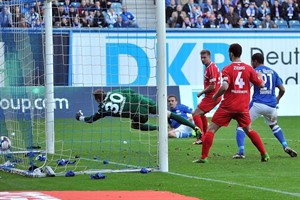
91 51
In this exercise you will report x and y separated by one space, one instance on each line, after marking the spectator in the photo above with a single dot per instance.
16 16
193 15
90 18
120 23
206 17
220 18
263 10
226 24
291 11
225 7
32 16
111 17
105 5
169 10
25 8
199 10
67 6
6 17
72 14
61 12
199 23
250 23
168 2
268 23
276 11
187 8
84 19
232 17
252 11
76 22
65 22
177 17
212 22
90 4
210 7
239 9
99 20
54 9
258 3
97 6
240 24
82 8
187 23
23 23
244 9
38 6
38 23
128 17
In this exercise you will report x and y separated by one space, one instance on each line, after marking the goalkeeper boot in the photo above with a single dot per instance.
290 151
205 160
198 135
198 141
265 157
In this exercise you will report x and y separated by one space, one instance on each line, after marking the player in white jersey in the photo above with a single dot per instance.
264 102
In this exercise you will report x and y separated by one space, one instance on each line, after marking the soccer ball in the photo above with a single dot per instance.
5 143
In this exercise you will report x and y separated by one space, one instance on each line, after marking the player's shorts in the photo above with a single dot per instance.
223 117
269 113
207 104
183 129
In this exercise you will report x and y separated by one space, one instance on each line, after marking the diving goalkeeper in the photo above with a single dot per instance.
126 103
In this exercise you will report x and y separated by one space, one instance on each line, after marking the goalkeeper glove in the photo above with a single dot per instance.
78 115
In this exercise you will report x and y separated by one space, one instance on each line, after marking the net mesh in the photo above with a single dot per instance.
85 58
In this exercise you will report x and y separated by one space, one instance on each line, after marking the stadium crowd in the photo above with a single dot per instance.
232 13
179 14
68 13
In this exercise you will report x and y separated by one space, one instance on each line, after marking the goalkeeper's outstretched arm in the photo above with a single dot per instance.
80 117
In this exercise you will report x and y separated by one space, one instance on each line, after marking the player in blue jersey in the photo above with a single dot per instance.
178 130
264 102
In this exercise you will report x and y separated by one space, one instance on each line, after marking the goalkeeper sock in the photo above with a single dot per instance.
182 120
279 135
240 140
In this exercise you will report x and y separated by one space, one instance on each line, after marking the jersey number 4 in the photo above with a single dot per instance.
239 80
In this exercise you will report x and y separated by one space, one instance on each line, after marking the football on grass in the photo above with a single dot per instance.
5 143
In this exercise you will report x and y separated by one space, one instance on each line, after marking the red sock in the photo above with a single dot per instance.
256 140
207 142
198 122
204 123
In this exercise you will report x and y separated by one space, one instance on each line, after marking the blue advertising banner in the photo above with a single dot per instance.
68 100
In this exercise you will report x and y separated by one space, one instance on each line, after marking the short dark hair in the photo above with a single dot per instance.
172 95
236 50
205 51
258 57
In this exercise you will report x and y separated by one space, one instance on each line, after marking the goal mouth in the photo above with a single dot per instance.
49 71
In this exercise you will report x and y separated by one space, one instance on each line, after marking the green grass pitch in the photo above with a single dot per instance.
221 178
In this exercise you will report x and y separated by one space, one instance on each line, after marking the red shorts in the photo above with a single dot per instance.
207 104
223 117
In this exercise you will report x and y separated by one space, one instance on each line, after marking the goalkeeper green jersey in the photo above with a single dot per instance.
125 103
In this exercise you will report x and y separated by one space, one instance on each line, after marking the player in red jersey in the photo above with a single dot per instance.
212 78
237 78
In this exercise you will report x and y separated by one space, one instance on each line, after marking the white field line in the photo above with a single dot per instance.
237 184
